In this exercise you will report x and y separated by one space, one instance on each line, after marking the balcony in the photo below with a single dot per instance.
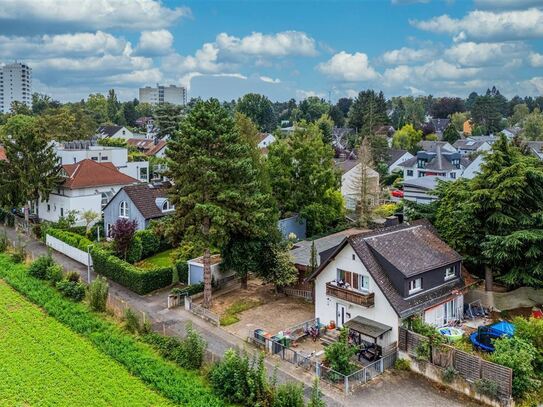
350 295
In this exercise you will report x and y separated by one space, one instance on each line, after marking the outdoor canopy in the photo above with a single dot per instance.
367 327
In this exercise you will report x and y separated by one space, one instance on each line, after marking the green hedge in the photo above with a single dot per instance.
182 386
141 281
149 241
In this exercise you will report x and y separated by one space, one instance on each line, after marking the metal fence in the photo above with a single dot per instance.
302 328
294 292
202 312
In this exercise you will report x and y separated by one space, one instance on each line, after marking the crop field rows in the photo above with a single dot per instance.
44 363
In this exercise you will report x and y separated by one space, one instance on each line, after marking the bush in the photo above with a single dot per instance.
187 353
402 364
183 271
39 267
98 292
316 395
131 321
338 354
289 395
70 289
141 281
448 375
487 388
73 276
149 241
519 355
19 252
183 387
4 242
133 253
240 381
422 351
54 273
189 290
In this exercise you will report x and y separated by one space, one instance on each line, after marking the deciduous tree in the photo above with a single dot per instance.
259 109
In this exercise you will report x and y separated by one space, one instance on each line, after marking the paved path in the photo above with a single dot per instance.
401 390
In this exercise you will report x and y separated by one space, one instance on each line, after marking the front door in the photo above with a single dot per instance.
341 315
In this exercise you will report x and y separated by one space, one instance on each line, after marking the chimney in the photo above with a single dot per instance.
438 153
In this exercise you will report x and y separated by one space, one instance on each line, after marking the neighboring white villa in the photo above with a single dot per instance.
88 185
438 163
351 170
467 146
373 281
265 140
397 157
75 151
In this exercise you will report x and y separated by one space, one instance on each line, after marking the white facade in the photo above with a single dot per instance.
329 308
176 95
396 164
350 186
63 200
266 141
118 156
473 168
15 85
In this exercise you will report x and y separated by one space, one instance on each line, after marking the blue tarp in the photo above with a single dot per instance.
503 328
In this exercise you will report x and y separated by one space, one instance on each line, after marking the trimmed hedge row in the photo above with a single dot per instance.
182 386
141 281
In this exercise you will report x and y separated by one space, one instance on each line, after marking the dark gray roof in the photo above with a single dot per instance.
404 307
440 124
430 146
395 155
346 165
427 183
109 130
413 250
466 144
368 327
408 163
144 197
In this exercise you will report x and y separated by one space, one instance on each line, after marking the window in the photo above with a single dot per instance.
355 281
94 158
165 206
415 285
48 208
61 211
354 257
449 273
123 209
104 158
453 175
409 173
143 173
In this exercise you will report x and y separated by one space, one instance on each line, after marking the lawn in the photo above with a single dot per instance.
45 363
162 259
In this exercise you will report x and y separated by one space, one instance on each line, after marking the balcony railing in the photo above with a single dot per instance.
353 296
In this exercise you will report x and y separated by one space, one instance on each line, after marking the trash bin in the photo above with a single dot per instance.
259 334
277 343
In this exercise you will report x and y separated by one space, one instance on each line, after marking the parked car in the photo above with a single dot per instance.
397 193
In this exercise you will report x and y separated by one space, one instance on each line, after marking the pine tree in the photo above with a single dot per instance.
216 188
113 105
450 134
363 185
31 169
367 112
167 118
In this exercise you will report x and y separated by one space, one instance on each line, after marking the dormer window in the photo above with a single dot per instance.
165 206
449 273
415 286
123 209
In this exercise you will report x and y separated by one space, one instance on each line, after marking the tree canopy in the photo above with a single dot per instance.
407 138
259 109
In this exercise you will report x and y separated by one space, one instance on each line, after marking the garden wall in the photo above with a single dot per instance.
469 368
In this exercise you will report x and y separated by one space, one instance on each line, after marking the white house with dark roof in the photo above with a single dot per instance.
373 281
535 148
467 146
396 158
438 163
114 131
351 171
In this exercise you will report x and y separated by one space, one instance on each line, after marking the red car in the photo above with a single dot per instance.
397 193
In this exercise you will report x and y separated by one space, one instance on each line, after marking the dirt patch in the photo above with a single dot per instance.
275 313
525 312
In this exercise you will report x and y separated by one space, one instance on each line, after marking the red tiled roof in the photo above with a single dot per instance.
89 173
147 146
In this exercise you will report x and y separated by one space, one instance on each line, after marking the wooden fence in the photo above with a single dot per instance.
294 292
471 367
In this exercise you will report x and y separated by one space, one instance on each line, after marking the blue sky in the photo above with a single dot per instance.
284 49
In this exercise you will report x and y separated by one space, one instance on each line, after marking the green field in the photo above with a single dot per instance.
162 259
45 363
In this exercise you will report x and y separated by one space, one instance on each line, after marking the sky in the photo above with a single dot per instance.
283 49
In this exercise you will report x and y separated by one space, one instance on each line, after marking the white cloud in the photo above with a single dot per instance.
269 80
431 71
348 67
488 25
304 94
485 53
205 60
537 83
79 44
94 14
157 42
277 45
144 76
406 55
92 64
506 4
536 59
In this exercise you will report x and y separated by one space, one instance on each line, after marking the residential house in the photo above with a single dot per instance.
218 274
440 125
535 148
470 147
474 167
431 146
396 157
141 202
441 163
114 131
87 185
75 151
489 139
386 131
153 147
511 132
340 137
373 281
265 139
420 190
351 172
